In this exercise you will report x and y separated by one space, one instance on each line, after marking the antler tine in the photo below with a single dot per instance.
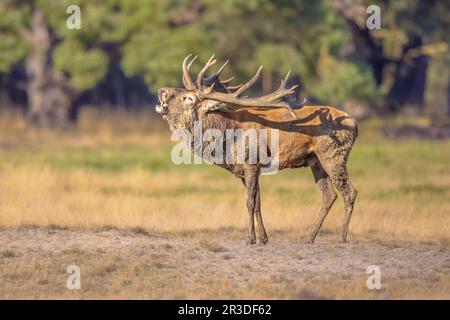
227 80
187 80
215 76
285 80
234 87
218 72
248 84
192 61
282 91
208 64
278 94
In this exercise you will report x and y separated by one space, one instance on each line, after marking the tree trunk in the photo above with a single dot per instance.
50 98
36 66
408 88
267 81
366 46
448 97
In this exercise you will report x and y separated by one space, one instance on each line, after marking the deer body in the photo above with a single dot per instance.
319 137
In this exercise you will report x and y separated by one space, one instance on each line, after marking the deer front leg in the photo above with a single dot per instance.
252 187
262 235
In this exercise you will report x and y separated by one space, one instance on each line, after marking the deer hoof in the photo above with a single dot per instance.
308 240
262 242
251 241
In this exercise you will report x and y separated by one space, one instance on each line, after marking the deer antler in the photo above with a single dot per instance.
201 81
187 80
272 100
202 72
282 91
215 76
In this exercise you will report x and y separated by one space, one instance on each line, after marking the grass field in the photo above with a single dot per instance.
114 177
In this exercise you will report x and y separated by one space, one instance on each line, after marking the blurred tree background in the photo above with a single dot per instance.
126 49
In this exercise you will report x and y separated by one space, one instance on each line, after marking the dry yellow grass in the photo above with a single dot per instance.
167 202
118 174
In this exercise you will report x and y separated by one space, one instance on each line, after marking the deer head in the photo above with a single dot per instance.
180 106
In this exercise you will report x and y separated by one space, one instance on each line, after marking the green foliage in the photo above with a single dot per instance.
151 37
280 58
157 54
232 30
85 67
339 81
12 47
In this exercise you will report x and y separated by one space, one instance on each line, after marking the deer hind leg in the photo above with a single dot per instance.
349 193
337 170
326 189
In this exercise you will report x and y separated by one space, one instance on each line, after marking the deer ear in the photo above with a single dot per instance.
165 93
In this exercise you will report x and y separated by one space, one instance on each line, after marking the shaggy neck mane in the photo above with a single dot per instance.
217 120
213 120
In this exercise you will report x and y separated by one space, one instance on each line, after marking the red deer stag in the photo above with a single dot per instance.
320 137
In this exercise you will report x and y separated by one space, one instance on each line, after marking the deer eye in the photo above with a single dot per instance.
189 98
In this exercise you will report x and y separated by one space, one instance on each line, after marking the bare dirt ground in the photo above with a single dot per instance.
125 264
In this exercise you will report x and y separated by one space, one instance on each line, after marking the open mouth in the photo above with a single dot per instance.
162 108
